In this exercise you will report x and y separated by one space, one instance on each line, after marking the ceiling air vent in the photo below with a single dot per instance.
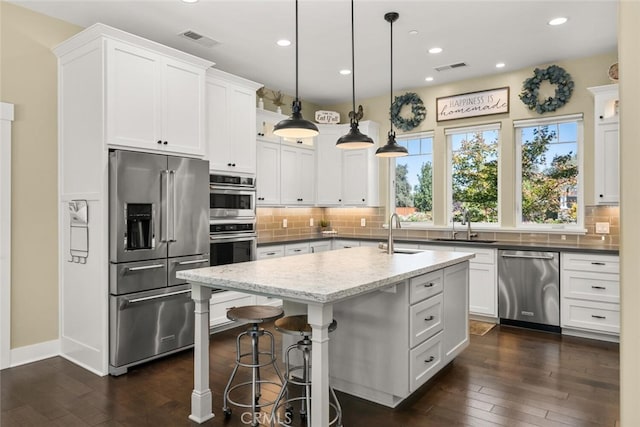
450 66
198 38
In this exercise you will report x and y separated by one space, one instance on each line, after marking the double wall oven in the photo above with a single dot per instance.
232 219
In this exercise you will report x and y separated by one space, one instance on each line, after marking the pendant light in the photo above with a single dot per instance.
296 126
391 149
354 138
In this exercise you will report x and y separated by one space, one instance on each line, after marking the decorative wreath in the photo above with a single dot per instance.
417 109
557 76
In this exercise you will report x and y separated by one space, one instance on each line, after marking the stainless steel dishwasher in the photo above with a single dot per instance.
529 289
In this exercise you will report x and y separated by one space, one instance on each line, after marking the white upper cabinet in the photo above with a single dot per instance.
231 123
154 102
606 145
268 174
297 175
346 177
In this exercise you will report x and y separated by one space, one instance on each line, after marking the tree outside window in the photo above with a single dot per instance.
413 178
549 174
474 175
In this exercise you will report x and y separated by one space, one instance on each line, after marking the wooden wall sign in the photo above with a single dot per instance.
472 104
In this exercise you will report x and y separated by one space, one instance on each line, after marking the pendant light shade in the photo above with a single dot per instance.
391 148
295 126
354 138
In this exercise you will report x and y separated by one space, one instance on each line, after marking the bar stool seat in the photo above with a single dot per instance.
299 326
255 315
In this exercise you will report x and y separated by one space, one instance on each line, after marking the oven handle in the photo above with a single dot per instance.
194 261
232 237
240 189
127 302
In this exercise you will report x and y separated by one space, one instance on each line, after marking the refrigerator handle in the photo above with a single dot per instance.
172 177
164 224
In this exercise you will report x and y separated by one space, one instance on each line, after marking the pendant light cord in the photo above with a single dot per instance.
391 85
353 63
296 50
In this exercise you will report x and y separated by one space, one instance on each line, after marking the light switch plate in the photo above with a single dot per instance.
284 223
602 227
363 222
310 222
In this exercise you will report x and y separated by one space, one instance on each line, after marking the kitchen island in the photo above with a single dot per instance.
319 281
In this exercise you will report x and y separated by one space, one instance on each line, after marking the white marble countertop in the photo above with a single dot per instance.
324 277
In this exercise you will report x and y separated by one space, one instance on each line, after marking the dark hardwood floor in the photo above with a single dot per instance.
509 377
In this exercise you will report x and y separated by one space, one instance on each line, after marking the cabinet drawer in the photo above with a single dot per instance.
270 252
425 319
273 301
590 262
591 286
424 361
223 301
296 249
596 316
483 256
424 286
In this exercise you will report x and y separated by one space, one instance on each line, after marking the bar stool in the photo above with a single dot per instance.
254 314
298 326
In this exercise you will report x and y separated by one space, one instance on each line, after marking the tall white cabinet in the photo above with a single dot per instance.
606 144
154 101
346 177
231 121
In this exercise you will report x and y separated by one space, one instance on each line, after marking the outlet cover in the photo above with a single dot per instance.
310 222
363 222
602 227
284 223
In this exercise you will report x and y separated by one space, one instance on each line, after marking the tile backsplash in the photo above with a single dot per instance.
348 221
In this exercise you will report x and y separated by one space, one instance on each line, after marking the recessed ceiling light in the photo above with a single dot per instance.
413 32
284 42
435 50
500 65
190 1
558 21
345 72
429 79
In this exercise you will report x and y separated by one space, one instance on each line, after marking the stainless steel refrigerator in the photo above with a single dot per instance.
158 225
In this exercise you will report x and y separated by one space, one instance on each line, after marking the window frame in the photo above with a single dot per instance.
517 139
392 177
449 132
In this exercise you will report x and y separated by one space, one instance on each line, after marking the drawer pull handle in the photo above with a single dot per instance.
598 263
428 319
598 287
271 253
428 285
595 316
430 359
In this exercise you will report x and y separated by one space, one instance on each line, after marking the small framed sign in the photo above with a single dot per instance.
472 104
330 117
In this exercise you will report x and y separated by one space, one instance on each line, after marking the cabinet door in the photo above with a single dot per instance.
265 121
133 104
289 178
307 176
482 289
319 247
242 130
456 297
329 166
217 126
355 177
268 173
607 160
183 108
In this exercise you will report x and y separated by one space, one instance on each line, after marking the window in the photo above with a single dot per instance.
473 173
548 170
413 179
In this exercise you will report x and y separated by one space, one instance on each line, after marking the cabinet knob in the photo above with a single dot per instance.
165 143
601 195
159 142
228 164
363 200
601 117
233 164
299 142
339 200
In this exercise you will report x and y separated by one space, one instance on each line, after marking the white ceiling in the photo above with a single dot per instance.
477 32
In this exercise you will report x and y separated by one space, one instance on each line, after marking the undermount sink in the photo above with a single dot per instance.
448 239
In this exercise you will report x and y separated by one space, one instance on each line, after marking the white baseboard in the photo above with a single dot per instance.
34 353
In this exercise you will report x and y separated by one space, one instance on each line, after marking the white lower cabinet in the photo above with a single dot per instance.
315 247
386 358
272 251
220 302
590 295
344 243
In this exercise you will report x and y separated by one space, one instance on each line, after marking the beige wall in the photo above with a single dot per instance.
28 80
586 72
629 40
